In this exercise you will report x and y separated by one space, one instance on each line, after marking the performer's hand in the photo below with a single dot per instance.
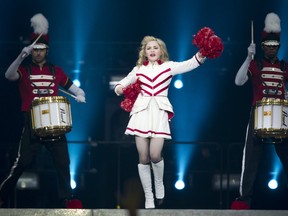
119 90
26 51
286 95
80 98
251 50
200 57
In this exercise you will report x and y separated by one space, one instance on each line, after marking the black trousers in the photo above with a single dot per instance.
252 152
29 146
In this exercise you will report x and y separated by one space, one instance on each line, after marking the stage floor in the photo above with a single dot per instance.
140 212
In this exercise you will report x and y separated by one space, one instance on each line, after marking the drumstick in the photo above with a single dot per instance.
252 32
25 54
252 35
67 93
36 40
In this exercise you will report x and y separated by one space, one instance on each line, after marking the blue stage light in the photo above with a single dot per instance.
77 82
179 185
178 84
273 184
73 184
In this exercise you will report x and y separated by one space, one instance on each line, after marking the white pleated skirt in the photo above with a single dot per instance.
148 123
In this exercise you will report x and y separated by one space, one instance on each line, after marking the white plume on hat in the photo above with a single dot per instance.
39 24
272 23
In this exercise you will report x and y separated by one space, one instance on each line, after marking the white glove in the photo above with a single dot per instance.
78 92
80 98
251 50
26 51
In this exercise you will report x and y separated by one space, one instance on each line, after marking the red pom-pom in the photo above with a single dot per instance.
127 104
239 205
201 37
73 204
213 47
209 44
130 95
132 91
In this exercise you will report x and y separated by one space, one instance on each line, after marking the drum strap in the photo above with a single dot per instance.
52 71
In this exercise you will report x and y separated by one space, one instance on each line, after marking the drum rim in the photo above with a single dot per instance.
268 133
272 101
52 130
50 99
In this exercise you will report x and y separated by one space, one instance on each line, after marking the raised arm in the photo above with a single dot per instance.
241 76
11 73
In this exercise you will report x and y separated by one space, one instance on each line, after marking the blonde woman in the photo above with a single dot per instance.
152 110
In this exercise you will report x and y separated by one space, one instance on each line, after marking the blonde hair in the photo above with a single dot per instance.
141 56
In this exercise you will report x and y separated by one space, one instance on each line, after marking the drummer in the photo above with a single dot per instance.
38 79
268 77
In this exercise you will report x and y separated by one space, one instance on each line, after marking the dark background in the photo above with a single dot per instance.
101 39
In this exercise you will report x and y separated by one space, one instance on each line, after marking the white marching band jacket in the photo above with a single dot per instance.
155 80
